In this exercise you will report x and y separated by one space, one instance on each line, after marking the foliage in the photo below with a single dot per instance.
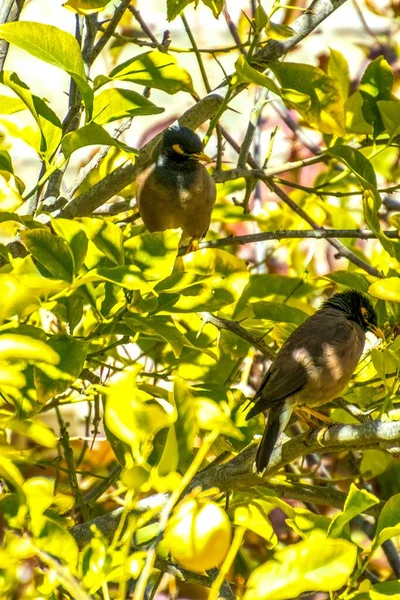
161 348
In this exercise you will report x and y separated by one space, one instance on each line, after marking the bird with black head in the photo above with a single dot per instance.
177 191
314 365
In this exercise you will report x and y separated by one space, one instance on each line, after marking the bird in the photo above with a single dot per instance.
177 190
313 366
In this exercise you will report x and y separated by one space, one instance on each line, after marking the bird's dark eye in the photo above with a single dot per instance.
365 314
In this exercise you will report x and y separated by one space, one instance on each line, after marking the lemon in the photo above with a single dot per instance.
198 535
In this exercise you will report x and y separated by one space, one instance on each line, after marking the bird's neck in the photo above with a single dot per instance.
332 311
177 162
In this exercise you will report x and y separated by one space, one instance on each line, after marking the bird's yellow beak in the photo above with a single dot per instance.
377 331
201 156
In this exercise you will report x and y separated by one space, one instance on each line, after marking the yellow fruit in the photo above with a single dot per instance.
198 535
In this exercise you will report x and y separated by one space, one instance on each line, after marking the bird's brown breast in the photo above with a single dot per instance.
168 199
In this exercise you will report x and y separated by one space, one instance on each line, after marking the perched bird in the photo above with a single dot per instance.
177 191
313 365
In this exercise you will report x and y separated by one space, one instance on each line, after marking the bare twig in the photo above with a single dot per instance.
238 330
117 16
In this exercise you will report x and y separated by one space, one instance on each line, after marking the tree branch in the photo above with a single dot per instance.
307 234
237 474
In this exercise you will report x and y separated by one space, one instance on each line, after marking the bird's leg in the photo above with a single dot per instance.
310 422
317 415
193 246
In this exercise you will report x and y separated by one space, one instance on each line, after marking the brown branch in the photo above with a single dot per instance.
117 16
285 234
238 330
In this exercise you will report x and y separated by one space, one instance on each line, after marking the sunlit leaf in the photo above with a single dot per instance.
46 119
317 564
152 69
386 289
253 514
22 347
388 524
86 7
91 135
50 251
390 114
117 103
357 502
326 111
76 239
338 69
72 353
54 46
154 253
376 84
107 237
185 425
132 415
355 121
246 73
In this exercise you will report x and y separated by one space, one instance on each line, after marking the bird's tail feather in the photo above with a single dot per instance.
278 418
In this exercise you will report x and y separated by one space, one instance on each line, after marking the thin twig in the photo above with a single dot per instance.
117 16
238 330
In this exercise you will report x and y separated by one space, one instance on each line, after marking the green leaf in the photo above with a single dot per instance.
39 492
22 347
338 69
86 7
281 313
49 124
129 277
168 462
22 293
162 328
374 463
253 514
107 237
9 105
35 430
91 135
132 415
76 239
279 31
58 542
317 564
376 84
356 162
50 251
326 111
154 253
215 6
388 524
386 289
72 355
117 103
185 425
174 7
261 287
54 46
153 69
357 502
365 173
390 114
355 121
246 73
350 279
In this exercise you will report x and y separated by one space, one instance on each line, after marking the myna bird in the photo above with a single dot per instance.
314 365
177 191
